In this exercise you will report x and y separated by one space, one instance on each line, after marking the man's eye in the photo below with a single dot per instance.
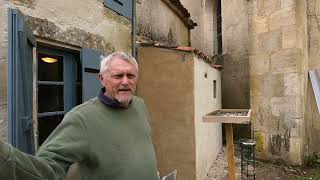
118 76
131 76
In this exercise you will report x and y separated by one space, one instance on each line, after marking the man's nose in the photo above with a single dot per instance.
125 80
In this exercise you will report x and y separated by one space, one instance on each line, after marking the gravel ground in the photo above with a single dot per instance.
264 170
219 168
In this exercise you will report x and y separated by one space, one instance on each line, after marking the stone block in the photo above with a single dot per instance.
295 153
3 122
277 85
283 17
284 61
3 82
287 3
255 45
291 84
284 106
259 64
271 6
260 110
258 7
256 85
271 41
271 85
289 37
263 7
261 141
296 127
260 25
3 53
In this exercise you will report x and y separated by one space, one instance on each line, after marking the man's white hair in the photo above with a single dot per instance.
104 64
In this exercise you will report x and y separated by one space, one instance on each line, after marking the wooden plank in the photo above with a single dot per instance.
215 118
230 152
35 102
227 120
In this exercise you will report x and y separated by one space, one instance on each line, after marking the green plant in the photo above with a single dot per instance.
312 160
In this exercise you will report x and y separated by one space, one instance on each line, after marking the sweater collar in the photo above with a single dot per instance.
113 103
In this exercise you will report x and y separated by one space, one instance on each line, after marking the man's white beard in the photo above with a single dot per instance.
124 101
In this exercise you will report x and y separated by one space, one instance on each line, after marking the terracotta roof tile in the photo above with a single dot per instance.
213 61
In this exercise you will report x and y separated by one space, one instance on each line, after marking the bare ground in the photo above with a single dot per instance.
264 170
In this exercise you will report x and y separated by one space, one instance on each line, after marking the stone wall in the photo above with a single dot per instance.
235 73
3 71
278 53
157 22
80 23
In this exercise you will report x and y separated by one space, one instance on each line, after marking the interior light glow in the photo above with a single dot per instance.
49 59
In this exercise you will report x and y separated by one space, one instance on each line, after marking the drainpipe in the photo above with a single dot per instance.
133 27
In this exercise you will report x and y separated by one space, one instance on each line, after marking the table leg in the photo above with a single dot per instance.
230 151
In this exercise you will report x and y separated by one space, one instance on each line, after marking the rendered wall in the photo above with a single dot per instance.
157 22
166 85
208 135
83 23
278 54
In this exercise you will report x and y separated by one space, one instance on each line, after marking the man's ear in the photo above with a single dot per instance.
100 77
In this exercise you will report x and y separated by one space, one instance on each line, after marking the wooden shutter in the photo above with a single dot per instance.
122 7
20 61
91 85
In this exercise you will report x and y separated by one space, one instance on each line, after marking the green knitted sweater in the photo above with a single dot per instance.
107 144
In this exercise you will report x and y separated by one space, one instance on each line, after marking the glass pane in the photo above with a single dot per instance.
79 94
79 84
47 125
52 69
50 98
79 70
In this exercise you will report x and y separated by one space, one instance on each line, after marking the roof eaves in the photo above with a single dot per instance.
181 11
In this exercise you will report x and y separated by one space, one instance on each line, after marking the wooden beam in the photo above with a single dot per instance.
35 101
230 152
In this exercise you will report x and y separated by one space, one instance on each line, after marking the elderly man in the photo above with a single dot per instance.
108 136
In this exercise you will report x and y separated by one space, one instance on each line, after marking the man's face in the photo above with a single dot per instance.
120 81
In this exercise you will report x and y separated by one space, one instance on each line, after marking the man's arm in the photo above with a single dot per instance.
66 145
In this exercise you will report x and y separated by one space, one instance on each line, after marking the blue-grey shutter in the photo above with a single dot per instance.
20 62
122 7
70 72
91 85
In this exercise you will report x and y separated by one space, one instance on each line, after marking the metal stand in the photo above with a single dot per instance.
248 159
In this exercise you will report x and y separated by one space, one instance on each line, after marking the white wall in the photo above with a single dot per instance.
208 135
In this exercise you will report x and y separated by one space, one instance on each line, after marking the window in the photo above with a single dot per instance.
122 7
65 80
59 87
